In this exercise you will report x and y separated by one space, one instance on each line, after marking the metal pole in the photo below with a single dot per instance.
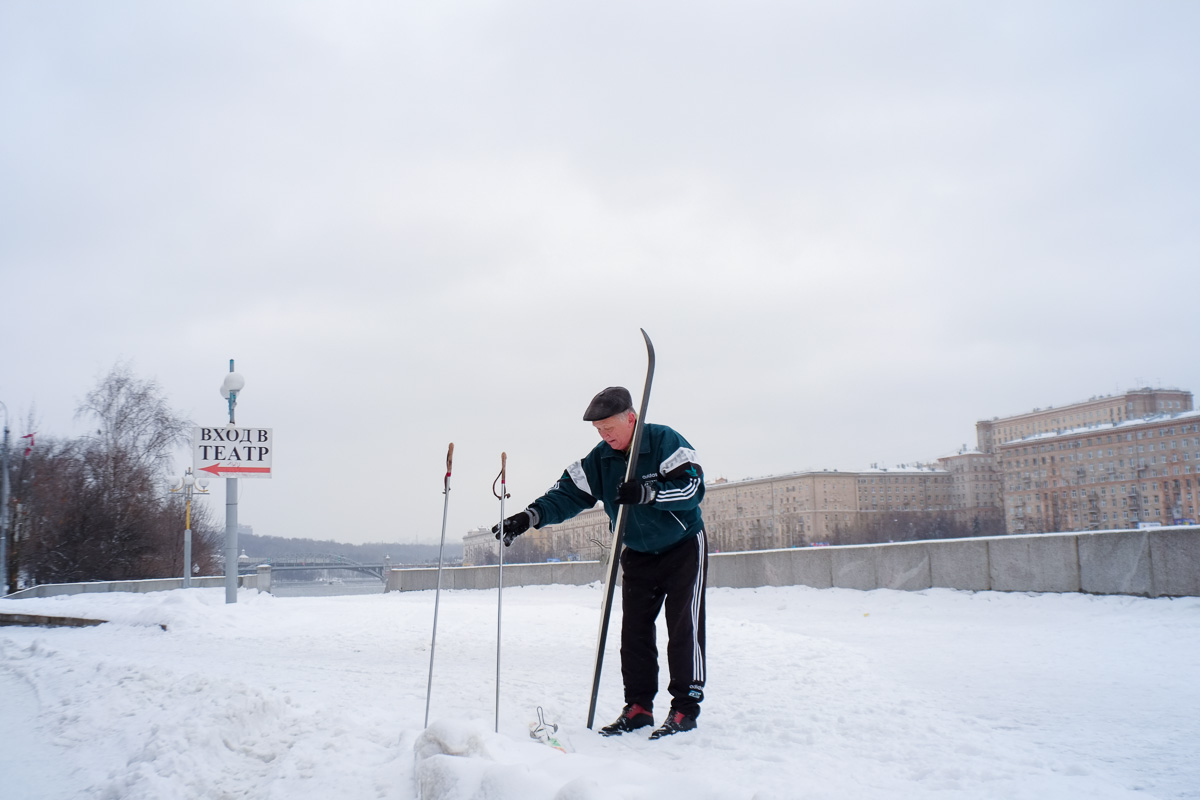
231 540
187 541
438 594
500 580
4 496
231 523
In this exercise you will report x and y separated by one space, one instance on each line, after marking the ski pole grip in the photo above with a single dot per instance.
503 467
449 458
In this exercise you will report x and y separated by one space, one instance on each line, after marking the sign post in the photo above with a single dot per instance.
231 453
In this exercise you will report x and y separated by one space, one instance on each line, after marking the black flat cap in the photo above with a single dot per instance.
612 400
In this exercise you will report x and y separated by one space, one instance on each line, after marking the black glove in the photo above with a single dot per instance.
514 526
636 493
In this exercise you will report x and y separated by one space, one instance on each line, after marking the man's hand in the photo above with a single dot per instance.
636 493
514 526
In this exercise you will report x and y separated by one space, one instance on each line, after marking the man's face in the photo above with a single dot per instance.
617 430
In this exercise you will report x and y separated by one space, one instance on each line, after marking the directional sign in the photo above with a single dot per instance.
232 452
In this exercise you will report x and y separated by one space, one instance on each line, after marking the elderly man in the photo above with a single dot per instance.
664 560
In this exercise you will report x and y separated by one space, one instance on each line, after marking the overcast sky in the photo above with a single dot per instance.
852 229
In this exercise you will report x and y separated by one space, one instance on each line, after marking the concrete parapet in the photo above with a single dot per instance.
855 567
1039 563
575 573
903 566
1114 563
140 586
959 564
1155 562
207 582
263 582
413 580
737 570
571 573
810 566
482 577
813 567
1175 562
778 568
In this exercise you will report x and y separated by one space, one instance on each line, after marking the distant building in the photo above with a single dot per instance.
1106 462
1108 409
976 490
477 545
1112 475
789 510
906 488
583 537
778 511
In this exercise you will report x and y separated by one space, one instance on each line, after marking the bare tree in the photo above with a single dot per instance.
98 509
136 429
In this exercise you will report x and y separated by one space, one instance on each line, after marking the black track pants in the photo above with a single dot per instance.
677 577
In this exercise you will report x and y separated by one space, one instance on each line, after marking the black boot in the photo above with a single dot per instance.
632 718
676 722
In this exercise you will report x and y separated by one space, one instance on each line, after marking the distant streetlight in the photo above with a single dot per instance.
4 496
188 484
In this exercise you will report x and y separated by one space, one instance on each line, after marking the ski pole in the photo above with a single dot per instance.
503 493
438 594
614 554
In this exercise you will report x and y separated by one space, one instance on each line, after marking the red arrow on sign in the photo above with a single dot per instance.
217 469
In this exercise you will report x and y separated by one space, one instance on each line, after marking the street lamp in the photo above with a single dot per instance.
233 383
230 387
188 484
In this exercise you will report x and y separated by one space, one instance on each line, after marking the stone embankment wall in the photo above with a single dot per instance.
1153 563
1158 562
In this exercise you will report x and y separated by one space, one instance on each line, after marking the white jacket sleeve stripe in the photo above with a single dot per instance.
683 493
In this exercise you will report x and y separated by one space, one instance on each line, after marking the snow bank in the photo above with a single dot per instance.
812 694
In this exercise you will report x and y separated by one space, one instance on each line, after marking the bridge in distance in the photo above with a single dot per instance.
318 561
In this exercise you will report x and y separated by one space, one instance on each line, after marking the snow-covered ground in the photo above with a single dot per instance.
811 694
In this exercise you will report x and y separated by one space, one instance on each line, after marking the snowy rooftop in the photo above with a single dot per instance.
965 451
905 468
812 693
1094 399
1105 427
913 468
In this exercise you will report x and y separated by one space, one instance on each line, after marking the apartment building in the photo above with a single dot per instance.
976 490
1109 461
1111 475
479 547
584 537
1107 409
907 488
790 510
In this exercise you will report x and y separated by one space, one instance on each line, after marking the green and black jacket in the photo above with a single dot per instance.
665 459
